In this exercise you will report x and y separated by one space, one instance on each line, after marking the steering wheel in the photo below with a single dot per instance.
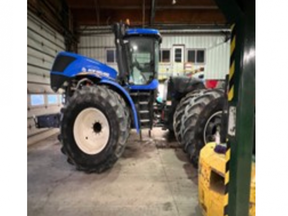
138 65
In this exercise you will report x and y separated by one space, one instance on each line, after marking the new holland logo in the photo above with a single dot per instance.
94 72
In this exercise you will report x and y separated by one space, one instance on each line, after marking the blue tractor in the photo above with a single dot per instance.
101 104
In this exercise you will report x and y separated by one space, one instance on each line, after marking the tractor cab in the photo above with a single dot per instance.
143 55
137 55
138 58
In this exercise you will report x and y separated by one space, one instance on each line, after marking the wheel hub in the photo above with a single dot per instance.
91 131
97 127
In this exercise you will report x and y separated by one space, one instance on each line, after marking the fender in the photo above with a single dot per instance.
126 96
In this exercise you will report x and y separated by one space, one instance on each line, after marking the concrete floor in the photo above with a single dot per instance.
152 178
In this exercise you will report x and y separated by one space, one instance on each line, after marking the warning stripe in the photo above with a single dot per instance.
230 97
232 63
227 174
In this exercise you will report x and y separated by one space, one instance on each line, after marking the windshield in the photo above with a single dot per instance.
144 59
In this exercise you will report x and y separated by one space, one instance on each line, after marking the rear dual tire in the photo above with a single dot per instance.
179 112
201 121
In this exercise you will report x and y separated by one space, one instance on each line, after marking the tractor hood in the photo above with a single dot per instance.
68 65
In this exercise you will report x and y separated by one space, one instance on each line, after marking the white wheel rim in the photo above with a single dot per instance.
207 123
91 131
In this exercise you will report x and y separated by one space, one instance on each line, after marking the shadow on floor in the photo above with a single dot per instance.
169 136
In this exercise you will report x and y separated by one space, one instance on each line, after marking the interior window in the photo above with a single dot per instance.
196 56
110 56
200 56
178 55
52 99
37 99
165 56
191 56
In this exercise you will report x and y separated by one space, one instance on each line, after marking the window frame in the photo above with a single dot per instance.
196 53
42 100
106 55
187 51
182 57
204 56
161 56
52 95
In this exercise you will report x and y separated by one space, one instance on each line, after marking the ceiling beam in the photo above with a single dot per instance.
97 10
133 7
143 13
107 17
180 7
192 27
152 14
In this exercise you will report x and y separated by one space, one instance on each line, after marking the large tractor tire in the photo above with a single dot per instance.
178 115
123 139
201 122
94 129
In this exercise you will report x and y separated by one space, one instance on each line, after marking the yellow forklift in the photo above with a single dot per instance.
212 193
227 169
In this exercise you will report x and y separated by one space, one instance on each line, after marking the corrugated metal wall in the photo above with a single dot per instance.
43 43
95 47
216 50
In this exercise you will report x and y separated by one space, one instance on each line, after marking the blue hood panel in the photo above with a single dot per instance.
82 65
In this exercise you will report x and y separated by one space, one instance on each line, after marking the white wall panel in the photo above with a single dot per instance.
216 50
43 44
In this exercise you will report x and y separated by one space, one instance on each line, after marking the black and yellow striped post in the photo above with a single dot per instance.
241 105
230 93
227 173
232 63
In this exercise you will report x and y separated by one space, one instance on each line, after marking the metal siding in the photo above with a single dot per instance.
95 47
216 51
43 43
218 60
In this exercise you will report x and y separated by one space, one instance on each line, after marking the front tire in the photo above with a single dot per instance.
94 129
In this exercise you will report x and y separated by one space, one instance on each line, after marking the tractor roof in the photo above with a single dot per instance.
143 31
